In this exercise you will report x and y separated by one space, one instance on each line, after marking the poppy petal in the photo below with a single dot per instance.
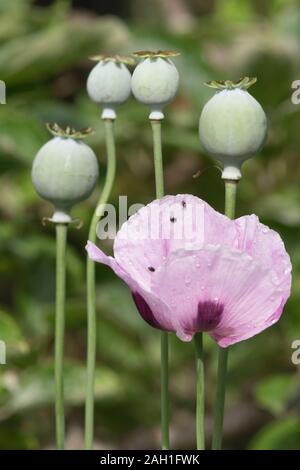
221 288
151 308
263 244
165 225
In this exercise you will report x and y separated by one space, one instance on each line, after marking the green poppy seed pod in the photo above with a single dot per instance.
233 125
65 171
155 81
109 83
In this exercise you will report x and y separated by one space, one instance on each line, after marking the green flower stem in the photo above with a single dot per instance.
164 377
200 394
159 184
91 284
158 161
61 240
230 202
230 198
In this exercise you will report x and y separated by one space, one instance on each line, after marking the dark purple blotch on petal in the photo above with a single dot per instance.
209 315
151 269
145 311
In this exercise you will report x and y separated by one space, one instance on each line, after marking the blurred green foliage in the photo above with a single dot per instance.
43 60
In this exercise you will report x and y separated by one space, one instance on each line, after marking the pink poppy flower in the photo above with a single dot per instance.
192 269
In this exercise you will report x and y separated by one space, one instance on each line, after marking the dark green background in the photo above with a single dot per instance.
43 60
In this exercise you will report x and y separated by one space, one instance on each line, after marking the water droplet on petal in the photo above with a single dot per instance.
187 281
275 280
